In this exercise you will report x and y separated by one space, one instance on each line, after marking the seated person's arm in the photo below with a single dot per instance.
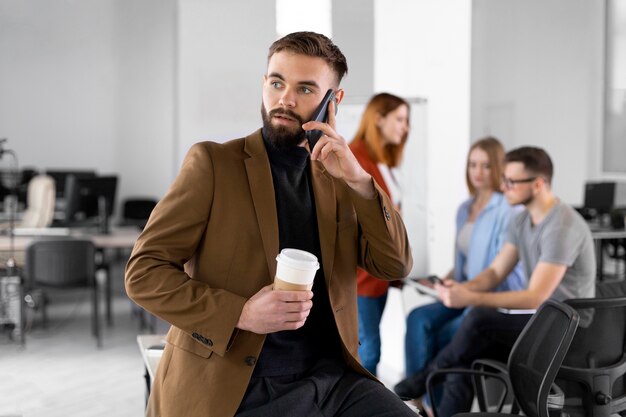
544 280
496 273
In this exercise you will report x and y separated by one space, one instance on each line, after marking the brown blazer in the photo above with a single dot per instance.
211 244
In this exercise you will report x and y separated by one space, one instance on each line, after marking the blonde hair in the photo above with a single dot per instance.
381 105
495 152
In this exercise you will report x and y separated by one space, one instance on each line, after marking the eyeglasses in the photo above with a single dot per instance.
509 183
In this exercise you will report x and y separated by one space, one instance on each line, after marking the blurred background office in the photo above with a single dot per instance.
124 87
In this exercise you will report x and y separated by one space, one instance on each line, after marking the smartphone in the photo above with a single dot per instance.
320 115
434 279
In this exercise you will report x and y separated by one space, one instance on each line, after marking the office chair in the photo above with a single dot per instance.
593 372
63 263
533 363
136 211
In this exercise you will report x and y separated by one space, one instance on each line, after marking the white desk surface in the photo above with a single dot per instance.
120 237
151 357
608 234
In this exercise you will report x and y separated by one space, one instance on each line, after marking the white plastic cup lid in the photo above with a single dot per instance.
298 259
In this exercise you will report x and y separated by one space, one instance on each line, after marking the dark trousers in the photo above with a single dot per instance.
330 388
484 334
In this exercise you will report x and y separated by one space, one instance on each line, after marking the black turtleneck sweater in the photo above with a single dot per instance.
294 351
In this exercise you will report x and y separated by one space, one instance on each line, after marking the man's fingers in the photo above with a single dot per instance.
328 148
331 113
298 306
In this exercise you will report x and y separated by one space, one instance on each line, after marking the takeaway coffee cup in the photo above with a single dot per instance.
295 270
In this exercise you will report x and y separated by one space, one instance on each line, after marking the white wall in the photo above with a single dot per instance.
537 80
58 70
222 57
144 94
127 86
90 85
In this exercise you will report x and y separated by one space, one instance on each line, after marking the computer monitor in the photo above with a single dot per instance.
60 178
89 199
600 196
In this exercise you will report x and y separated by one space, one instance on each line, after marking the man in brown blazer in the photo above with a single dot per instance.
206 260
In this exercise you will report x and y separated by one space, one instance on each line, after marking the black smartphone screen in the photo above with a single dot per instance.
320 115
434 279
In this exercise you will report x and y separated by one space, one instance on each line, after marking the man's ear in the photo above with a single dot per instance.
339 95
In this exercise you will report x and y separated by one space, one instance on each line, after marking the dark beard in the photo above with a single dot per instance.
527 201
280 137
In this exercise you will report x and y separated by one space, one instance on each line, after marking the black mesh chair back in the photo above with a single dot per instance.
533 362
538 353
60 263
593 372
63 263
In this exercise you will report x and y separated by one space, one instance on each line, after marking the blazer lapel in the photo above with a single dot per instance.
326 210
262 190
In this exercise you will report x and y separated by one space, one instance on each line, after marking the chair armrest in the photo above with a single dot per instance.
588 375
607 302
482 364
490 365
430 383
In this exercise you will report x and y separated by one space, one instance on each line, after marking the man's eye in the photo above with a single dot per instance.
276 84
306 90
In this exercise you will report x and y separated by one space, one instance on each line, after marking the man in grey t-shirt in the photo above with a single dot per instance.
561 238
555 246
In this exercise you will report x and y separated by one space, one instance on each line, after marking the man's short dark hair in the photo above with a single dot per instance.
314 45
535 160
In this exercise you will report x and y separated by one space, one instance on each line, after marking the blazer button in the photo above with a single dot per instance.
195 335
387 215
250 360
208 342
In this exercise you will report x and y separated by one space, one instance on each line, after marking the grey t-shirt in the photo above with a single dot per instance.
563 238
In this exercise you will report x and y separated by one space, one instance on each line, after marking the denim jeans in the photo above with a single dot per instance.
428 329
370 313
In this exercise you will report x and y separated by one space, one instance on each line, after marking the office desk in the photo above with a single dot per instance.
599 236
119 238
151 348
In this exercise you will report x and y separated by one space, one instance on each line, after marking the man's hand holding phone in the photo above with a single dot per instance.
454 294
333 152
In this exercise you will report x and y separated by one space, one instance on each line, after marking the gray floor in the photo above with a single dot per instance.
61 372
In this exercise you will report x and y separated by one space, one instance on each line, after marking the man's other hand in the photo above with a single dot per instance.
454 294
